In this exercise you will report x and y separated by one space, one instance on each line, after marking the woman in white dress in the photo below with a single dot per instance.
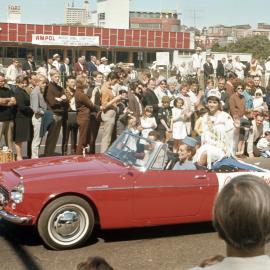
179 131
217 132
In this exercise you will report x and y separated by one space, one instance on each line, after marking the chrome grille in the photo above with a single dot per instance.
4 196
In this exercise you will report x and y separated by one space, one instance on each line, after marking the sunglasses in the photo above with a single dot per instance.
239 88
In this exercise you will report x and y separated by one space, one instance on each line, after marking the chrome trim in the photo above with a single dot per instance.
13 218
17 173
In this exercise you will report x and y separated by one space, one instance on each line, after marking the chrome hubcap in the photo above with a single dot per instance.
67 223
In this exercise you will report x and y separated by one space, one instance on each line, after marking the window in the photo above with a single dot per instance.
101 16
159 162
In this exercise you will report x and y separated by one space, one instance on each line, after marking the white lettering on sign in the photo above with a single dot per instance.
65 40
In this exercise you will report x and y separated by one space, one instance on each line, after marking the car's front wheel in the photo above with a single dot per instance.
66 222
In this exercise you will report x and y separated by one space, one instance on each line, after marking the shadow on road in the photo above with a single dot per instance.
154 232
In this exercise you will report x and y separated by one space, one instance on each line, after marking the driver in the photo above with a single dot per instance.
186 151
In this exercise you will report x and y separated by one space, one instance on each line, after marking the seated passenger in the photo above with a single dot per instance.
264 145
186 152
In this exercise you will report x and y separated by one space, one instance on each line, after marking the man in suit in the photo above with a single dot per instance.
65 71
150 98
28 66
80 67
221 68
208 70
91 66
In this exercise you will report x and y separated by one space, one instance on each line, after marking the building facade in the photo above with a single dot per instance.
111 14
163 21
76 15
119 45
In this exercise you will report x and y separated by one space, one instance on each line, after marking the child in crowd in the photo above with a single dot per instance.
148 121
209 86
179 131
198 123
245 127
264 145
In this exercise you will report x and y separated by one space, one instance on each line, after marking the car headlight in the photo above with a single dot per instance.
17 192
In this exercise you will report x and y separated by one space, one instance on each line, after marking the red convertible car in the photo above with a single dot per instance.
131 185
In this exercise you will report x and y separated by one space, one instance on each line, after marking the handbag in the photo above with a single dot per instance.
6 155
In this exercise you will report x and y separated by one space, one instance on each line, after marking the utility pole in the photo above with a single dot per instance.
195 14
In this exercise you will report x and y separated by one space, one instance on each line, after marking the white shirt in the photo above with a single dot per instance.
267 67
239 69
196 61
239 263
104 69
11 74
56 64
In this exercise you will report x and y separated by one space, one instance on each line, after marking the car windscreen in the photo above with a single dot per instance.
133 150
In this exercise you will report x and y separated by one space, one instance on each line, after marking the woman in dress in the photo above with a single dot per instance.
23 116
217 132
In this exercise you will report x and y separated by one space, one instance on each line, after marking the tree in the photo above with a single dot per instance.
258 46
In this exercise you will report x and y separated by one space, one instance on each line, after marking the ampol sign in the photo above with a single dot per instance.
65 40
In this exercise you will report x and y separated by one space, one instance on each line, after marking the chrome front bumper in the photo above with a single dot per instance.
13 218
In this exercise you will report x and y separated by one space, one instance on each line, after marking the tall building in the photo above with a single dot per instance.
76 15
14 14
111 14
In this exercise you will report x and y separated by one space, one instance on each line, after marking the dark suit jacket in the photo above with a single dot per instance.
26 66
91 67
78 70
220 70
63 69
208 70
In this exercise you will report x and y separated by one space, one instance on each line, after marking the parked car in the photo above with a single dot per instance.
131 185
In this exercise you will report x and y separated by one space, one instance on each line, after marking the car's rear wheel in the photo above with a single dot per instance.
66 222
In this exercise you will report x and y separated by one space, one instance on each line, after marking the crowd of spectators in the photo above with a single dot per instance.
231 113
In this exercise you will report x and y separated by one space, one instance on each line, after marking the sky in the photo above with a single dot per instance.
196 13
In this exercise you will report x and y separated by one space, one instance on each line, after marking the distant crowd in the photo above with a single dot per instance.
80 98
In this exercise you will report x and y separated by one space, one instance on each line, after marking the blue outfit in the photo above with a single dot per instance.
248 99
234 163
187 165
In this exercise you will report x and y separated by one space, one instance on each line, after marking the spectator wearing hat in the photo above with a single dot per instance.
79 67
28 65
56 61
258 101
229 67
164 117
104 68
186 151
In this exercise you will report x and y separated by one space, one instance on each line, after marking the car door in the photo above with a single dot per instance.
164 194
